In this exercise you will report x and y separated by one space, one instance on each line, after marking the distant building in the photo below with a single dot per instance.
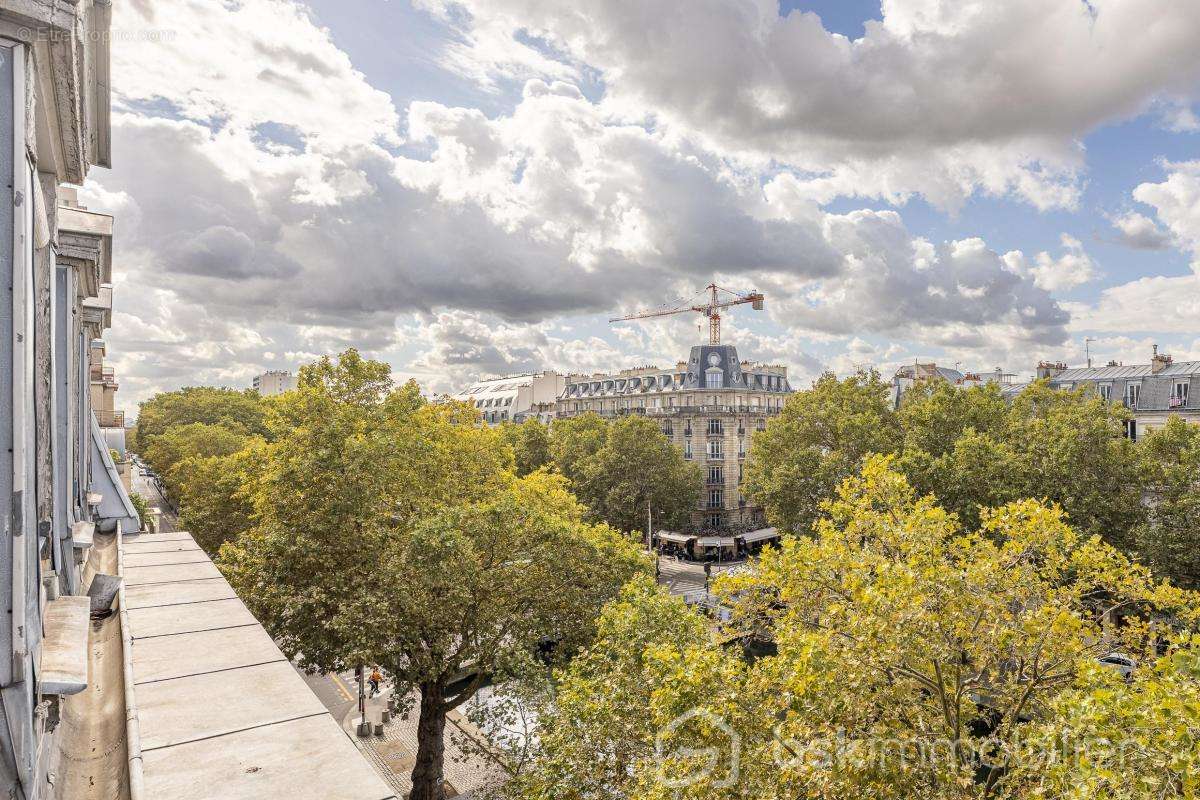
276 381
515 398
1154 392
708 406
917 373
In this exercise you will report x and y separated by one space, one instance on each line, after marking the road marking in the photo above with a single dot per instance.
337 681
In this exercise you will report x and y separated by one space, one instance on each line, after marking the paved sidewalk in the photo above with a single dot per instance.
394 754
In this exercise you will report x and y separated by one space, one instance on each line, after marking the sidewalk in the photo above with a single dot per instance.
394 754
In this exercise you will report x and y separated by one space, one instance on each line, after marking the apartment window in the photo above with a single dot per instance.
714 379
714 427
687 431
1179 394
741 451
1105 390
1131 431
687 449
713 520
715 475
1132 391
714 448
760 425
714 498
668 430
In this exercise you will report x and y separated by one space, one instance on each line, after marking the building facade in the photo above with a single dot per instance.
275 381
58 483
1153 392
707 406
515 398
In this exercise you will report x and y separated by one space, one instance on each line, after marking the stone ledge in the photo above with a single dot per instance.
63 665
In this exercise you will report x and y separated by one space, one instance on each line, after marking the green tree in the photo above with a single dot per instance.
819 439
394 532
242 411
530 442
574 441
1072 451
634 469
1169 539
167 452
906 648
216 495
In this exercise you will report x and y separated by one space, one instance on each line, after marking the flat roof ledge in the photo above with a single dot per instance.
83 534
63 665
94 498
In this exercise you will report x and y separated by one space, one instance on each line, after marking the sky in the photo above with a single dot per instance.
472 188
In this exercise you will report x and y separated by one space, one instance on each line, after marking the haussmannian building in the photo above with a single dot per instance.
1152 392
708 406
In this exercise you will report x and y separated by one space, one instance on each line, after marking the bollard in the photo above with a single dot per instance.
385 717
364 729
379 729
392 704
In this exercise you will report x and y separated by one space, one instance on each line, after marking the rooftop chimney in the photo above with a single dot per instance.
1158 362
1045 369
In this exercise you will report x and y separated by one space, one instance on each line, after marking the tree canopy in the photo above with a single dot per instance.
621 468
530 442
243 411
970 448
392 531
1169 537
900 655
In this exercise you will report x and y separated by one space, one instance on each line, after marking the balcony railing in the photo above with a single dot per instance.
111 419
1176 402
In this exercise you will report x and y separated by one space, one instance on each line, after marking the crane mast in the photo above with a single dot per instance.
711 309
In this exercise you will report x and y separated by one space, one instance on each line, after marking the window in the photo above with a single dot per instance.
741 450
760 425
714 448
1179 394
687 449
714 427
714 378
668 430
1132 391
714 498
713 520
715 475
1105 390
687 431
1131 431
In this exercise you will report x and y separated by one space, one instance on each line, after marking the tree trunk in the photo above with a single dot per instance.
427 772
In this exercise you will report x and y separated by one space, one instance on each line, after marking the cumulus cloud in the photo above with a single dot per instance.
273 206
1176 202
1071 269
937 98
1140 232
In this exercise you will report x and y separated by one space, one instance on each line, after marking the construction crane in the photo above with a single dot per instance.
711 309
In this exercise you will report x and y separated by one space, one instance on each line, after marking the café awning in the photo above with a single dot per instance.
716 541
760 535
672 536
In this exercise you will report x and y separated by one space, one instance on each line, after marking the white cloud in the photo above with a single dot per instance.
1071 269
1140 232
942 99
1176 202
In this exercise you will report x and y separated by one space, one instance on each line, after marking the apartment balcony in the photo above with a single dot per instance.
110 419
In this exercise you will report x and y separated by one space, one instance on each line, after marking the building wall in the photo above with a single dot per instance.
275 382
46 140
513 398
712 427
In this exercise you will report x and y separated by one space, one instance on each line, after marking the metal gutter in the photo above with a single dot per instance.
133 731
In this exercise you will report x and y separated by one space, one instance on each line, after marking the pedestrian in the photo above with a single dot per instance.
375 680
